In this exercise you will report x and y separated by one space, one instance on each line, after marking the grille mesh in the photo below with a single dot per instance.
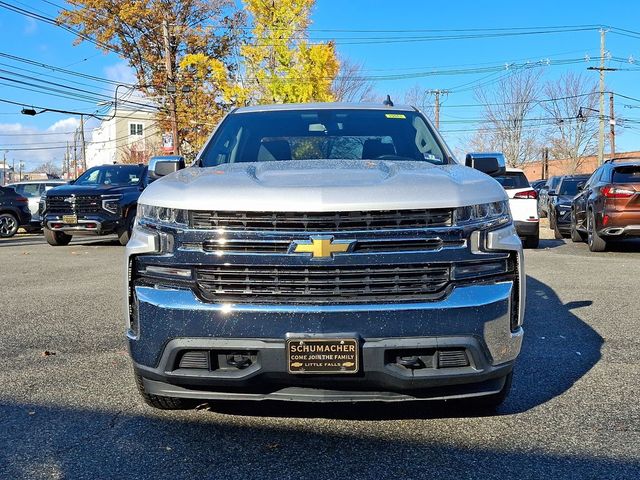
321 221
82 204
315 284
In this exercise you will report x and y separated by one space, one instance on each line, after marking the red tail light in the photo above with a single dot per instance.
611 191
526 194
22 200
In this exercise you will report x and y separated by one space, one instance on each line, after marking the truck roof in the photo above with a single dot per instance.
323 106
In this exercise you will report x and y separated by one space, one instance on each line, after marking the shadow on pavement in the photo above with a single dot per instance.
53 442
547 243
35 239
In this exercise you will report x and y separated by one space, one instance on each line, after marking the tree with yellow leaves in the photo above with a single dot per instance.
133 29
280 64
214 66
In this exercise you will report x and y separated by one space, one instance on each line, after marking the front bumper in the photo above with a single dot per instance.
526 228
474 319
478 319
90 224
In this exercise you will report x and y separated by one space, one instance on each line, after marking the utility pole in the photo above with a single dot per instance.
612 126
601 69
82 144
545 163
436 107
170 81
601 128
65 165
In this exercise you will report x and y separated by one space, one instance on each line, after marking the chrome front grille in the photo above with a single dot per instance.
281 246
321 221
60 205
321 284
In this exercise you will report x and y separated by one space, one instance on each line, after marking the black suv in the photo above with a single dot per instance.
103 200
14 212
560 204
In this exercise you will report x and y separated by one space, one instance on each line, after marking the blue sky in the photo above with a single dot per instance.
44 43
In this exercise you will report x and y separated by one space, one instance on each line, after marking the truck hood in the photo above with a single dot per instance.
91 190
323 185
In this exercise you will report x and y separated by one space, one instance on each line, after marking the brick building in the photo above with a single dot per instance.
533 170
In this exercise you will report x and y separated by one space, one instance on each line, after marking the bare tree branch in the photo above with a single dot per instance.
569 137
508 125
351 85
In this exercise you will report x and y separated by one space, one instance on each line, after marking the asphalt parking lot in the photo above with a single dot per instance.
69 408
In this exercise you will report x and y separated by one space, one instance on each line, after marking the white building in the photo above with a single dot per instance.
131 136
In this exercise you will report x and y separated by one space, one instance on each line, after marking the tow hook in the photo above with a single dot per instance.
239 360
413 362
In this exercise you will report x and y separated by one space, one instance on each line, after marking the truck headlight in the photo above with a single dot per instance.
493 214
164 215
111 203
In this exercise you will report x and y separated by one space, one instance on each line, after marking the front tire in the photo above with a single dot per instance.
125 234
8 225
594 240
162 403
576 236
56 239
553 223
490 403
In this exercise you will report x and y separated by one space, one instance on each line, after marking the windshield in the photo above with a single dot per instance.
349 134
512 180
570 186
111 175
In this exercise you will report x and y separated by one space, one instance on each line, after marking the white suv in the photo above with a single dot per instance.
523 201
33 190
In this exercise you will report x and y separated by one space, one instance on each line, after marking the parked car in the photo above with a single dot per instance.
524 205
537 184
33 190
101 201
608 205
543 195
324 252
560 204
14 212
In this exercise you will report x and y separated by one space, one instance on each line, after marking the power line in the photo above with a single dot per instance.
54 22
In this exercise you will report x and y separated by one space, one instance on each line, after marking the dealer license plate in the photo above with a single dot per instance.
322 355
70 219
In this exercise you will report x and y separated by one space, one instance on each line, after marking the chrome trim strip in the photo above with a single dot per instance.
461 297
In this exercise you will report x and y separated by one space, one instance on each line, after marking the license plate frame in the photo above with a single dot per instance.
323 356
70 219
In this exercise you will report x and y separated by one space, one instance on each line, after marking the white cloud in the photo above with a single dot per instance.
28 144
120 72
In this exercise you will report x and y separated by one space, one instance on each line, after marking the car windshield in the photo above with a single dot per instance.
111 175
627 174
351 134
512 180
570 186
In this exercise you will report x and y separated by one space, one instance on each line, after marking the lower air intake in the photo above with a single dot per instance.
452 359
195 359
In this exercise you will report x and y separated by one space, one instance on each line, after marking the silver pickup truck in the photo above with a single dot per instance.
324 252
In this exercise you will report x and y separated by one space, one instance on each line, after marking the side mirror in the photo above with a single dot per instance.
580 186
161 166
552 193
492 164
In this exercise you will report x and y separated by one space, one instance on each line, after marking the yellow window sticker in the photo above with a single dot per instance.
394 115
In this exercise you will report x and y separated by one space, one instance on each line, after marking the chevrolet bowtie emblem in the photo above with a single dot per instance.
322 247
